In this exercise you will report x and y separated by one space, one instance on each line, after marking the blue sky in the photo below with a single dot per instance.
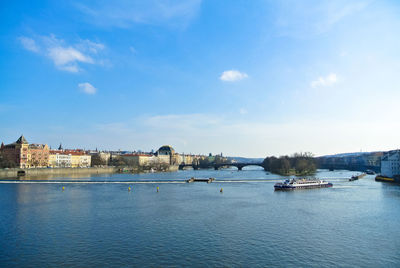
246 78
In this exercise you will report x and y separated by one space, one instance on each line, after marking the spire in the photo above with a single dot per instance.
22 140
60 147
2 145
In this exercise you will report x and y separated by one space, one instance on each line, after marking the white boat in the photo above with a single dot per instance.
293 184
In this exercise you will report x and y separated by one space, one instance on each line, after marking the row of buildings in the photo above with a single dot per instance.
352 161
24 155
385 163
165 155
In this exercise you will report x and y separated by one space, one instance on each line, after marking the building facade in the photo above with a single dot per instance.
38 155
166 154
139 159
390 164
24 155
69 158
58 158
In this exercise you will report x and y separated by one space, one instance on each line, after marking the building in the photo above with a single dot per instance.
139 159
69 158
373 159
390 164
187 159
38 155
58 158
24 155
166 154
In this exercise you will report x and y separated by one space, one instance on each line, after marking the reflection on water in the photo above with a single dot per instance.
351 224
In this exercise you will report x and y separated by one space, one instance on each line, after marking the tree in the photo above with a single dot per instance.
298 163
98 161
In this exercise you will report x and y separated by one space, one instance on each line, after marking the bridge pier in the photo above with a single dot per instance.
240 168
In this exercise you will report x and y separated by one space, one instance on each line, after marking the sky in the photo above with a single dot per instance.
245 78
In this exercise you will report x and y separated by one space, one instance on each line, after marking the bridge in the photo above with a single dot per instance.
239 166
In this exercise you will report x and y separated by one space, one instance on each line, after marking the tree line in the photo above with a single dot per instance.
297 164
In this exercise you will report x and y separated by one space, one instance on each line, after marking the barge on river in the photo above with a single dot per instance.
356 177
293 184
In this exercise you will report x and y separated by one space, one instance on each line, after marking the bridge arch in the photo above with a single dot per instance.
239 166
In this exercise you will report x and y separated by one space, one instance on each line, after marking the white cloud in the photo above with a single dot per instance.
122 13
72 68
328 80
232 76
304 18
29 44
65 57
93 47
243 111
87 88
205 133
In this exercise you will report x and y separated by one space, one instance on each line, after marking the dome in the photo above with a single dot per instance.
166 150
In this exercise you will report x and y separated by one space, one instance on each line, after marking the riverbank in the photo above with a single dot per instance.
70 172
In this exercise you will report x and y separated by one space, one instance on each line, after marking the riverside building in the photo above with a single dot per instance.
25 155
165 155
69 158
58 158
390 164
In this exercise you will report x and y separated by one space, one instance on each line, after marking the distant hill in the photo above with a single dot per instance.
350 154
245 159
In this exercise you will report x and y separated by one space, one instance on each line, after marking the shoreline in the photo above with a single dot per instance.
70 172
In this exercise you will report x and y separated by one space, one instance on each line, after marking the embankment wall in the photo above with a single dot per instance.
69 172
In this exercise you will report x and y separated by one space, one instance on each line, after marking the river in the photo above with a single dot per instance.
97 222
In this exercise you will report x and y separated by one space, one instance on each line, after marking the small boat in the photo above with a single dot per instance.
370 172
384 178
293 184
356 177
353 178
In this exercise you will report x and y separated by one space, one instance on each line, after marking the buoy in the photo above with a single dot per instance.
129 188
63 188
158 188
221 190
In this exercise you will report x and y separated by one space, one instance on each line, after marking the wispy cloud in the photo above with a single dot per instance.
303 18
204 133
321 81
121 13
68 58
243 111
87 88
232 76
28 44
64 56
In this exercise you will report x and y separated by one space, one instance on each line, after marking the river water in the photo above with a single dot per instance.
352 224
